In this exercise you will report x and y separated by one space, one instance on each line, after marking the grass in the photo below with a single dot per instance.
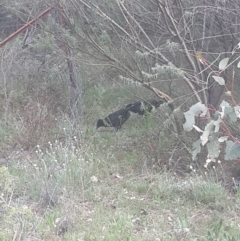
117 204
105 185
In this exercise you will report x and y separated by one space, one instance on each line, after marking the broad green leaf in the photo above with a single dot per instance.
228 93
222 138
198 109
238 65
223 63
237 111
232 151
230 112
196 148
219 79
217 124
224 103
190 121
227 110
207 131
213 147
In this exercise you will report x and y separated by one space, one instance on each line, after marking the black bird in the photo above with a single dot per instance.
116 119
142 107
136 107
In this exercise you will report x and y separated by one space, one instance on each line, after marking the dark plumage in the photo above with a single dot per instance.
142 107
136 107
116 119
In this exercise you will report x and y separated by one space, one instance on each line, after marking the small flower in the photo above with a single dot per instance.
94 179
208 160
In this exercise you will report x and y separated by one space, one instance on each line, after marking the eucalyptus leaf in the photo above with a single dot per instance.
207 131
223 63
198 109
213 147
219 79
238 65
222 138
196 148
232 151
